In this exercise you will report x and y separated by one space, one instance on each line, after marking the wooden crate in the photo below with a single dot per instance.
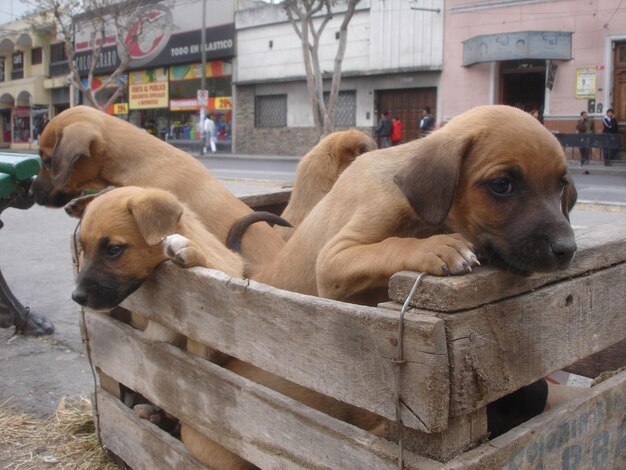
468 340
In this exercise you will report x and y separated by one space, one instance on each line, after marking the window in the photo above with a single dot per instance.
345 108
57 53
18 66
35 56
58 60
2 68
270 111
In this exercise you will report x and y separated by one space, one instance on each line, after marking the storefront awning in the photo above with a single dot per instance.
554 45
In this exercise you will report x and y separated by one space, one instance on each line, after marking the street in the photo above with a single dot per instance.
36 262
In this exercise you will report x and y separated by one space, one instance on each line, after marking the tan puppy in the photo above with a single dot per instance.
319 169
85 149
125 234
493 181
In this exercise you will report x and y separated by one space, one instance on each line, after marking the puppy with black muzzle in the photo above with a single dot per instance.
125 234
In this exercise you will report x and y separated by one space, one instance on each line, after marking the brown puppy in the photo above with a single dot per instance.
125 234
319 169
492 181
85 149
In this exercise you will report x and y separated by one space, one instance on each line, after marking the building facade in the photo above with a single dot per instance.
561 57
165 71
32 82
393 62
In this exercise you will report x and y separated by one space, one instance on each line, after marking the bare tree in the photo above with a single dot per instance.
309 18
102 19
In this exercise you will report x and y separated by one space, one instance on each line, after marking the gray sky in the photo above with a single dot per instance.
10 10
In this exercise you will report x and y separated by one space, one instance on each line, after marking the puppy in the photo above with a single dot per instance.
85 149
319 169
492 182
125 234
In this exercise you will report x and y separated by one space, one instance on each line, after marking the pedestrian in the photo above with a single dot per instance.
208 128
396 133
585 126
427 122
44 122
384 129
610 127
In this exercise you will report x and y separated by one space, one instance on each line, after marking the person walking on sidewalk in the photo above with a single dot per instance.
610 127
208 128
396 133
585 126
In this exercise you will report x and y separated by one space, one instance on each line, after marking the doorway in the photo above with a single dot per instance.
406 104
523 83
619 81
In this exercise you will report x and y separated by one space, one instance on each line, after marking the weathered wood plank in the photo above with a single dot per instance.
264 427
598 247
139 443
338 349
265 201
497 348
589 432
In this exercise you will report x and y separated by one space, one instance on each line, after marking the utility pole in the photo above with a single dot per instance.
203 80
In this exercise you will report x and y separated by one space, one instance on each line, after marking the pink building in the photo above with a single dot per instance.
560 56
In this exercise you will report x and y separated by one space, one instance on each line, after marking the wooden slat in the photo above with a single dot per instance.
588 432
138 442
264 427
497 348
338 349
598 247
267 199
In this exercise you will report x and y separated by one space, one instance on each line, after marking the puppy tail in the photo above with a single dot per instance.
239 228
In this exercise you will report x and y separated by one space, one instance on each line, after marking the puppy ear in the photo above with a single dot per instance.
76 207
156 215
429 179
72 143
568 199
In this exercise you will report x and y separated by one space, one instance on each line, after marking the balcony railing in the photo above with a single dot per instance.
58 68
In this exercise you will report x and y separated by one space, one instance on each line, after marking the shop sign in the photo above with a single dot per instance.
98 81
148 89
216 68
120 108
219 103
158 36
585 82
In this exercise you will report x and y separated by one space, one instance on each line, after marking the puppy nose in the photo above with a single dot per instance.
79 296
564 250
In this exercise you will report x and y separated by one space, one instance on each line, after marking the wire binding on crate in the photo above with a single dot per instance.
398 361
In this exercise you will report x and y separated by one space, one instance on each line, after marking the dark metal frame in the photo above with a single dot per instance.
12 312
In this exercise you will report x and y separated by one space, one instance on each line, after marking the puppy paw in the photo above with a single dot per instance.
448 254
180 250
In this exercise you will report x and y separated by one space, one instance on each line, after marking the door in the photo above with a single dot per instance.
406 104
619 80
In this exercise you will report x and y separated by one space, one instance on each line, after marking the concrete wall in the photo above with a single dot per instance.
383 36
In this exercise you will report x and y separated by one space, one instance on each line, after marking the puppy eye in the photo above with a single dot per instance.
113 251
501 186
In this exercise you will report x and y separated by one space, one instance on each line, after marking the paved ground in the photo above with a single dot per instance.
35 259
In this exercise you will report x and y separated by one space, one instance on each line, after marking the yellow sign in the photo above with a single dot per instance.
585 82
148 89
120 108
